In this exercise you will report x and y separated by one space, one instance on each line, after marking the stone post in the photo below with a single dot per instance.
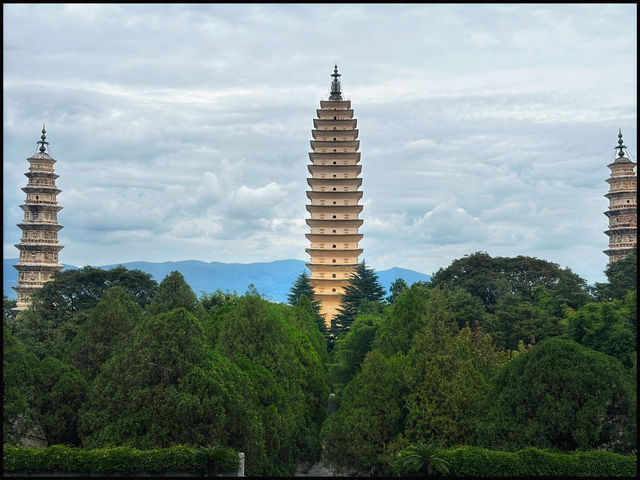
241 464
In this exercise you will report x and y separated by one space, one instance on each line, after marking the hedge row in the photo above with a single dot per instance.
529 462
122 460
463 462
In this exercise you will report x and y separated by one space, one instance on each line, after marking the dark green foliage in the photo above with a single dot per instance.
447 394
564 396
350 349
44 392
622 277
319 320
59 307
420 381
74 290
491 279
487 358
301 286
608 327
402 320
363 289
531 462
115 460
424 459
287 376
60 391
216 459
468 310
8 315
212 302
397 287
304 317
428 368
517 319
19 369
370 415
462 461
174 292
155 393
106 326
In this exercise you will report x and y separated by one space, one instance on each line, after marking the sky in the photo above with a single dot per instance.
181 132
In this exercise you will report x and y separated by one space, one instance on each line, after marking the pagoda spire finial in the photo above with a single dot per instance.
336 94
43 140
621 145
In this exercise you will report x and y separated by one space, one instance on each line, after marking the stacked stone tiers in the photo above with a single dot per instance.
622 213
333 206
38 246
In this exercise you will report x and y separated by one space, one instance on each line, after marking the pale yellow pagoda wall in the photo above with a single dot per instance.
326 230
339 260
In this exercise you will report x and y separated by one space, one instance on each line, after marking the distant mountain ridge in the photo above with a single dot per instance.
272 279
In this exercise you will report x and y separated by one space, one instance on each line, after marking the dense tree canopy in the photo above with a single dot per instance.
106 326
258 336
419 381
622 277
19 368
174 292
561 395
396 288
350 349
60 306
608 327
478 356
491 279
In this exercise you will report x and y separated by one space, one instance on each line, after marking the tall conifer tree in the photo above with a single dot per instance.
300 287
364 288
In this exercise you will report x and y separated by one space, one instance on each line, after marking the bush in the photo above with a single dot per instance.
121 460
479 462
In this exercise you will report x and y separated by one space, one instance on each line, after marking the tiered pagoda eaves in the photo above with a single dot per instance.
334 198
39 244
622 213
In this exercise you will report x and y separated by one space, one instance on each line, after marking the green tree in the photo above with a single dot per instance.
517 319
423 458
397 287
18 388
477 273
8 315
622 277
363 287
608 327
487 358
447 393
75 290
258 335
174 292
302 286
491 279
468 310
211 456
561 395
155 393
60 391
421 381
213 301
59 307
371 414
107 325
304 317
350 349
